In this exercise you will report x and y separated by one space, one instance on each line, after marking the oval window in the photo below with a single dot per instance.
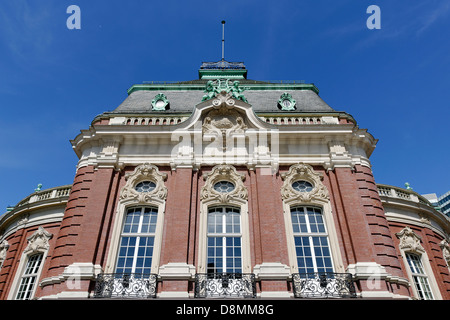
224 186
302 186
145 186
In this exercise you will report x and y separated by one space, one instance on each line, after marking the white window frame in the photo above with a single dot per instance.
224 235
38 243
418 277
138 235
410 242
311 235
238 198
130 198
29 280
317 197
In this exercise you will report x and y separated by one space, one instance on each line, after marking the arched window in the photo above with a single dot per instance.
134 255
224 227
224 250
419 270
419 276
29 278
30 266
137 241
137 234
310 230
224 265
311 240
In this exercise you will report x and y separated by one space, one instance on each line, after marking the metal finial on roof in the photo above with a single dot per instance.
223 40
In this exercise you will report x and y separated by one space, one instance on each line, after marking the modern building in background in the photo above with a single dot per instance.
224 187
444 203
441 203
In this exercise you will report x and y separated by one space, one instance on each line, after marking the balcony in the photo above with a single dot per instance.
323 285
225 285
135 286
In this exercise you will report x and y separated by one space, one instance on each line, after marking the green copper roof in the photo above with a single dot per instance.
264 96
200 85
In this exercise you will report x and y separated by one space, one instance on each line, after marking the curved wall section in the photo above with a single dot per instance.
26 231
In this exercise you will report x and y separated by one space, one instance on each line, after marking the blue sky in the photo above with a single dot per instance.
53 81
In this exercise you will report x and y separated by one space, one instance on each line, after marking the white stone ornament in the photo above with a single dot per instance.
303 172
144 172
410 241
445 246
4 246
224 173
38 241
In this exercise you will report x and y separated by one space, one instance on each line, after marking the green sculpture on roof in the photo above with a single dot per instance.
286 102
236 92
210 90
223 85
160 102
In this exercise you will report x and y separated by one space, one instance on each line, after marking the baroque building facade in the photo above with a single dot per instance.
224 187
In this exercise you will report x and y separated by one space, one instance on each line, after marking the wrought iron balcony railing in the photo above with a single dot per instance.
134 285
225 285
323 285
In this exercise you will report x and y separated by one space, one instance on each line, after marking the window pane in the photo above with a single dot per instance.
149 221
298 220
224 240
135 250
27 283
312 249
420 278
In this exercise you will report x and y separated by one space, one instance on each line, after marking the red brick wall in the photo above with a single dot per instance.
83 233
267 210
176 235
363 231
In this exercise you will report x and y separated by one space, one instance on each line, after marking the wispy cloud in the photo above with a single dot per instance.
437 13
412 19
25 29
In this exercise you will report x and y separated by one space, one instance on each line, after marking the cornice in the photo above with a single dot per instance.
424 215
101 144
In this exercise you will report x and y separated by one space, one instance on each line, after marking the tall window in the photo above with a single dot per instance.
224 240
311 240
419 276
137 241
29 278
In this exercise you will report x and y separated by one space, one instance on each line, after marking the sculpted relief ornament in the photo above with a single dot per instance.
223 121
38 242
303 173
410 241
153 189
4 246
219 174
445 246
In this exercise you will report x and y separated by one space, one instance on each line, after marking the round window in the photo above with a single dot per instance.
145 186
302 186
224 186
